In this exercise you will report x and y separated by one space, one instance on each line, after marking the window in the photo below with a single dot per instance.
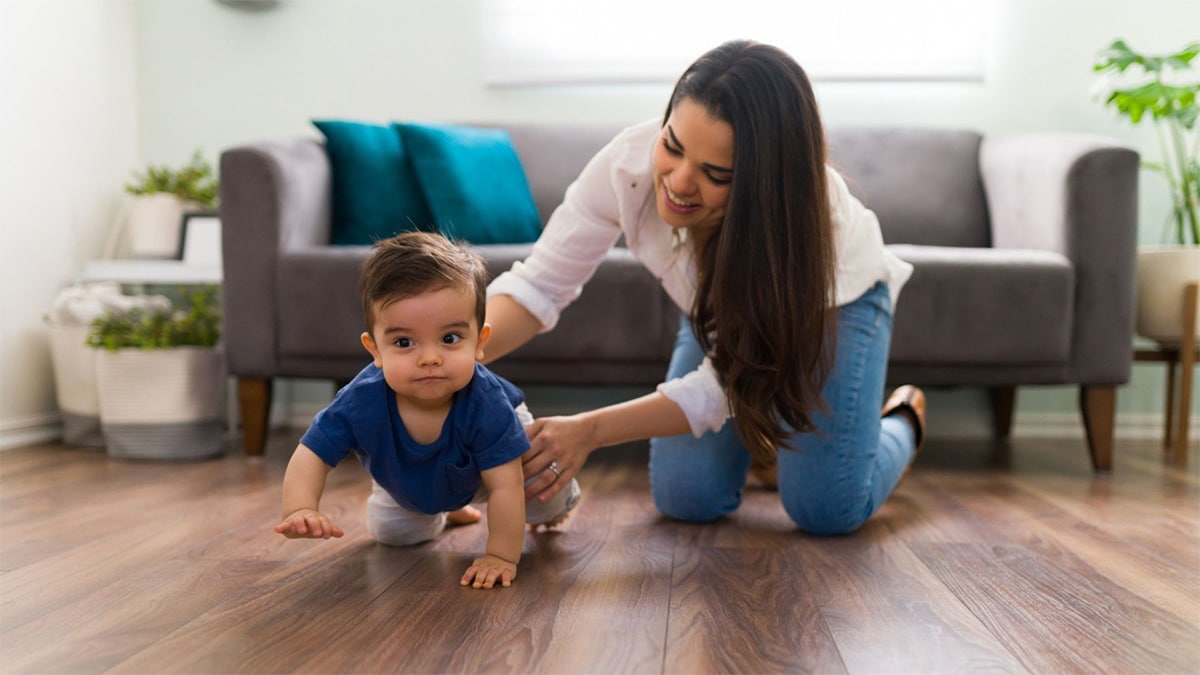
553 42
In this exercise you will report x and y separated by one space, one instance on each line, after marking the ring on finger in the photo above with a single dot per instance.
554 467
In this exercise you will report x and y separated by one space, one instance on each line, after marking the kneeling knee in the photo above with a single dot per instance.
686 505
825 518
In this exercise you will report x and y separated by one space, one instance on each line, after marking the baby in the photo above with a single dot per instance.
435 429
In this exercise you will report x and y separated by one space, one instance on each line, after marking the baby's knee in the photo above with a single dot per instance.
397 527
555 510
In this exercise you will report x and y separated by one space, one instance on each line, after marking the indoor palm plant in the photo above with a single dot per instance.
1163 89
160 196
160 380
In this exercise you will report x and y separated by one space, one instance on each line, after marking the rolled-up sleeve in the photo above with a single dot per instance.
700 395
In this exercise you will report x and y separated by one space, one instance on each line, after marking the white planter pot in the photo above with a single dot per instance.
162 403
75 384
154 224
1162 272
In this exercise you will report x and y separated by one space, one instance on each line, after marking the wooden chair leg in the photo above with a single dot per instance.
1003 403
1169 416
1187 362
254 403
1099 408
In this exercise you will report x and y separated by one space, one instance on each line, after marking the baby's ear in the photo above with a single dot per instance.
368 343
484 334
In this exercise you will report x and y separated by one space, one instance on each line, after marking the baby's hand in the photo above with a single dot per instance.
486 570
308 524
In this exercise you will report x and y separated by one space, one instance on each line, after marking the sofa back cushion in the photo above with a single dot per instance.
553 156
375 191
924 184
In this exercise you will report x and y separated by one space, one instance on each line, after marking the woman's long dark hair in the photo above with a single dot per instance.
764 304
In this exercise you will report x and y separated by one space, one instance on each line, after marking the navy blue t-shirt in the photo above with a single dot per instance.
481 432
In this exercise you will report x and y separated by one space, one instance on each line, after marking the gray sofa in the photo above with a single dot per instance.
1023 248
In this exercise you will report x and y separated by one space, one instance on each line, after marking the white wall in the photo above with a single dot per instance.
209 76
68 124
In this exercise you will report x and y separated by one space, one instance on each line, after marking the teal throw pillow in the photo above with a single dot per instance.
375 190
473 182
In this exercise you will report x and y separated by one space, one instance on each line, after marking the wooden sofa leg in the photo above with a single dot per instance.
1099 408
254 404
1003 403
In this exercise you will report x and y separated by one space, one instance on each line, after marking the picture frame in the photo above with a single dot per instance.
200 239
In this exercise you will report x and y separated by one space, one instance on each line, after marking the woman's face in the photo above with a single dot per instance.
693 167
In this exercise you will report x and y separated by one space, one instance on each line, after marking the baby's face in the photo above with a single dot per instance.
427 344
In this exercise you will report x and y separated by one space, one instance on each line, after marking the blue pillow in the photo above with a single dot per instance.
375 190
473 182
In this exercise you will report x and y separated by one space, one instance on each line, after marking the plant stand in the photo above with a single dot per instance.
1183 357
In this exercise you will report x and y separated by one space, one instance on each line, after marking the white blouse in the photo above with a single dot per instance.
614 195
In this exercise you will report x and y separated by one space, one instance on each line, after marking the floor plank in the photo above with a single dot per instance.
746 610
1058 617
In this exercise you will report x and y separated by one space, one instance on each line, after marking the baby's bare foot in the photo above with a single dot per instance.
549 524
464 516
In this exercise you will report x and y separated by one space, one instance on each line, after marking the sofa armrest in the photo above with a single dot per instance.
275 195
1074 194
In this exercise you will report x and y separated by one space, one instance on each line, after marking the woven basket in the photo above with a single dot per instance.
162 403
75 384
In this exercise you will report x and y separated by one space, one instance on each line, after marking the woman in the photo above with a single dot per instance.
788 294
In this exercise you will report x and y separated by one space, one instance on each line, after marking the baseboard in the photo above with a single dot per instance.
20 432
297 415
1131 426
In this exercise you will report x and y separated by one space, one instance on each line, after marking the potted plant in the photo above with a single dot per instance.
1157 88
160 380
161 195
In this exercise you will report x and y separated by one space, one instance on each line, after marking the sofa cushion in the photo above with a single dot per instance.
375 191
984 307
924 184
473 182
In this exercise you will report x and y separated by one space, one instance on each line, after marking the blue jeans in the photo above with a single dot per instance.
831 480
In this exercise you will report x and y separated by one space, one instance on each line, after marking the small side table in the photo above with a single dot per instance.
151 272
1182 357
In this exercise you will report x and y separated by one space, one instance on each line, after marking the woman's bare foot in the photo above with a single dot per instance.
464 516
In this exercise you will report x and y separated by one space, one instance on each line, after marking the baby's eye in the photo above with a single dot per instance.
451 338
403 343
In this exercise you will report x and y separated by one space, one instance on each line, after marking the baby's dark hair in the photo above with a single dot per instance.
412 263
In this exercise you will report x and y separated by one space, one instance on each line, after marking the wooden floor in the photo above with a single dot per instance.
984 560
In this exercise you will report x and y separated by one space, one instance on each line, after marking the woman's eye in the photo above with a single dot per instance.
403 343
718 180
670 150
451 338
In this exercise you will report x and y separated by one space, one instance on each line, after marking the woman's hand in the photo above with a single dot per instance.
564 441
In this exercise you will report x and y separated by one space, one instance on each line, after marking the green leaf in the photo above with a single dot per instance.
1182 59
1173 108
194 181
197 325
